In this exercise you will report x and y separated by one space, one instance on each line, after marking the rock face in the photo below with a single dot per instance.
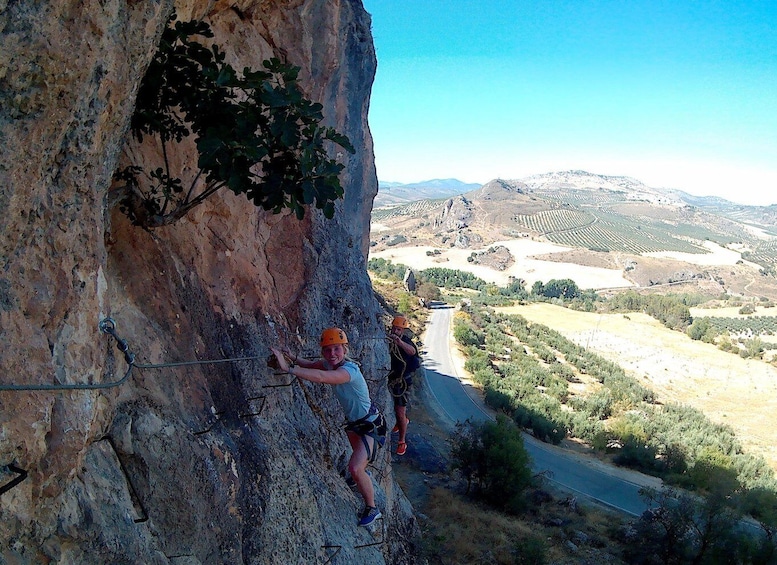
455 215
184 461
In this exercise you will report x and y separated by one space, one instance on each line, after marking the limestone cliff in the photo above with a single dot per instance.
195 462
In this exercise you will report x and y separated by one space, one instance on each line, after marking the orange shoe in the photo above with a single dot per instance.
395 429
401 448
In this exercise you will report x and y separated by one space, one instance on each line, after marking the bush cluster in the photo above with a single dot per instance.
493 460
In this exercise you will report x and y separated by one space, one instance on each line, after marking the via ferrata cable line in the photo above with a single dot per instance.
108 326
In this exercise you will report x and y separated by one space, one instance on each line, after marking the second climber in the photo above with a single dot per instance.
404 362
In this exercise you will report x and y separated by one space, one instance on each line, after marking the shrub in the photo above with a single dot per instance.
599 404
702 329
681 529
465 334
531 551
493 459
476 360
385 269
747 309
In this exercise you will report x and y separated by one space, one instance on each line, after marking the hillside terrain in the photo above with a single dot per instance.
601 231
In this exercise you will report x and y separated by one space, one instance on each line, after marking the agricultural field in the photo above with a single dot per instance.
740 393
414 209
650 240
746 323
765 253
582 197
603 231
525 265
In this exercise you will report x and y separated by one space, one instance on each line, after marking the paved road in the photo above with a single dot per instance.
572 472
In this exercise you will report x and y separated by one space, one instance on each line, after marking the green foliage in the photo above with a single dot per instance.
528 380
541 415
405 302
516 289
496 341
671 310
681 529
598 405
701 329
429 281
428 291
754 348
714 471
385 269
747 309
255 133
725 344
466 334
492 458
557 288
477 360
531 551
752 325
761 504
452 278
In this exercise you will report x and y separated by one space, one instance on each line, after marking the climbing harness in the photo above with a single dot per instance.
372 425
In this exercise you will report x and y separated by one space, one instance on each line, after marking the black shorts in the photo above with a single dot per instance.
400 391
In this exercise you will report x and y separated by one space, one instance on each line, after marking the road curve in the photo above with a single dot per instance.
577 474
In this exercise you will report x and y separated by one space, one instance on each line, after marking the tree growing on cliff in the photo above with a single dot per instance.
255 133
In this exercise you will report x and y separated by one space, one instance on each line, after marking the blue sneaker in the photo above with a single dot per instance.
369 515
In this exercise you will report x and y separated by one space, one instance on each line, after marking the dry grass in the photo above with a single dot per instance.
463 532
458 531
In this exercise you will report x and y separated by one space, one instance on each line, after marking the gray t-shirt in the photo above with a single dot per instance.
354 396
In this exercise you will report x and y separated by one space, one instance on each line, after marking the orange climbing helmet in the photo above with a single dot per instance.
333 336
400 322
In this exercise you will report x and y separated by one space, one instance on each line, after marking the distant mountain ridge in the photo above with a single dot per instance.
396 193
631 188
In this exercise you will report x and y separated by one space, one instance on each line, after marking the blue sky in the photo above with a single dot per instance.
679 94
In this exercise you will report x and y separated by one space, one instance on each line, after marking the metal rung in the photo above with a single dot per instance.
22 474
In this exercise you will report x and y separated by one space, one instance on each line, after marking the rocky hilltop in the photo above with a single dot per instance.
184 461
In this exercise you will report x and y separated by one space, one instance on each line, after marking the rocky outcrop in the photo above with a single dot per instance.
497 257
455 215
186 461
